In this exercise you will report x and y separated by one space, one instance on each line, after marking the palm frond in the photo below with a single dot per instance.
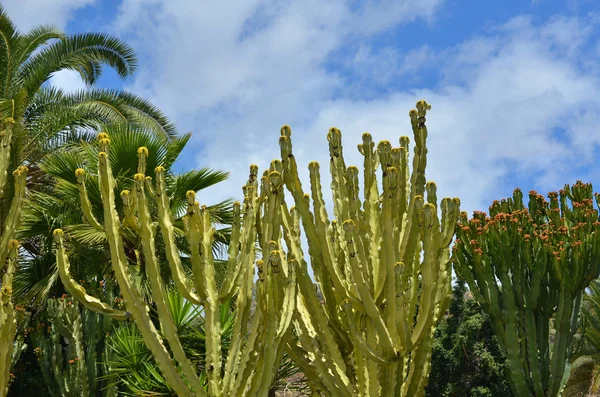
176 146
85 53
8 37
34 39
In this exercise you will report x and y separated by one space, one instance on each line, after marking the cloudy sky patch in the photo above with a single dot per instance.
514 91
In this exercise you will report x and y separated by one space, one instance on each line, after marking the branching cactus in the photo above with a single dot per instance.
382 266
62 351
254 353
8 252
528 268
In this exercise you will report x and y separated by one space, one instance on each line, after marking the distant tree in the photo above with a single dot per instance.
466 358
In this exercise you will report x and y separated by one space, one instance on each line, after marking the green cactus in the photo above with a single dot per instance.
253 355
67 349
8 252
528 267
382 267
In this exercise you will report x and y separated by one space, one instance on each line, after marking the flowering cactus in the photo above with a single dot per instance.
253 356
382 267
8 253
528 268
385 265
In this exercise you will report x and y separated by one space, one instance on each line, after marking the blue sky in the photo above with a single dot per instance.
514 85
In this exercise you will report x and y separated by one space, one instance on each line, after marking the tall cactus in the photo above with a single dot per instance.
253 356
8 251
382 267
528 267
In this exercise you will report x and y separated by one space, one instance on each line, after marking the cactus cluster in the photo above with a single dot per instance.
9 248
253 356
382 266
528 268
67 347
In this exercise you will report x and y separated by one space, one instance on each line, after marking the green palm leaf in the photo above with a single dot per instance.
84 53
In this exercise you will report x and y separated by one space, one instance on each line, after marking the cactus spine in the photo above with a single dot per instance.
382 266
253 356
8 253
528 267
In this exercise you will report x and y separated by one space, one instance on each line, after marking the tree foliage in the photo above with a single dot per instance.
466 358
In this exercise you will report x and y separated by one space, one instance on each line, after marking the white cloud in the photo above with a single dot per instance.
27 14
68 81
234 75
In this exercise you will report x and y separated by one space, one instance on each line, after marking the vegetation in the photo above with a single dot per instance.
466 358
57 205
383 270
528 268
585 367
276 279
151 293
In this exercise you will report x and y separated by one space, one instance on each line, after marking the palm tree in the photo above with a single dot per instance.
46 116
57 205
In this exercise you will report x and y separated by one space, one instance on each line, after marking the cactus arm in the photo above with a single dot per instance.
271 279
159 296
252 348
211 309
532 350
5 148
389 190
429 272
165 222
234 266
332 272
372 213
148 186
306 289
8 322
283 331
75 289
86 206
369 305
419 371
299 357
360 342
8 259
338 175
14 214
331 376
133 300
563 332
509 311
417 179
237 349
193 232
262 375
76 324
289 301
293 184
244 294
